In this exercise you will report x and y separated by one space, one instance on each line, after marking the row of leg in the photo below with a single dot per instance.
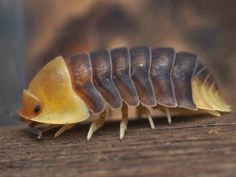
143 111
38 129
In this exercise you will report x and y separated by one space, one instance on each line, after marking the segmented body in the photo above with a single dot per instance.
65 91
142 75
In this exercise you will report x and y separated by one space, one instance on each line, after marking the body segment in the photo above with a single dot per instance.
162 64
182 74
102 77
140 70
82 79
121 72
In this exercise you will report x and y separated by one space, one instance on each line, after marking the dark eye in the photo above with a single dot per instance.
37 108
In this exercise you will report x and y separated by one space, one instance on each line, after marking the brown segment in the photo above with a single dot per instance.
201 73
140 71
162 64
182 77
209 80
102 77
81 72
199 68
131 74
121 76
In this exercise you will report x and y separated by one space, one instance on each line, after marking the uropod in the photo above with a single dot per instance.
67 91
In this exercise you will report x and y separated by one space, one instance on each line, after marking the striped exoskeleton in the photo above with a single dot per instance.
67 91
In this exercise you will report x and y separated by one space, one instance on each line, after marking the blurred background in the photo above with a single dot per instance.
34 32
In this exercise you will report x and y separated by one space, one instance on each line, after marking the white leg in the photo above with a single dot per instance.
63 129
36 131
124 121
151 121
144 111
39 129
214 113
96 125
168 115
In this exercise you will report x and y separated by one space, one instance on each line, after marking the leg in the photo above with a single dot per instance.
96 125
63 129
35 131
39 129
214 113
124 121
168 115
144 111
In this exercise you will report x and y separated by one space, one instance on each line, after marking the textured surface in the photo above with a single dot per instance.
192 146
158 75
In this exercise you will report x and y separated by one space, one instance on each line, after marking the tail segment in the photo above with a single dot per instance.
206 93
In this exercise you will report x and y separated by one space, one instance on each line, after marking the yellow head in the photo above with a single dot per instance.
50 97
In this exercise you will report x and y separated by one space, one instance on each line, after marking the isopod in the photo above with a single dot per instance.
67 91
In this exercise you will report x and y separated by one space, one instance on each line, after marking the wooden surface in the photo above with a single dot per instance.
192 146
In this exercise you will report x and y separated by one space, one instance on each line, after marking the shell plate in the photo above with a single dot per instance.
142 75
